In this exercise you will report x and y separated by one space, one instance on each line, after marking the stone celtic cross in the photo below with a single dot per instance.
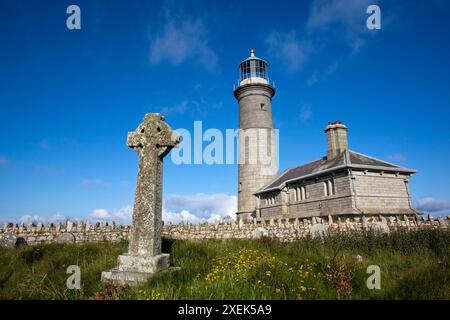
152 141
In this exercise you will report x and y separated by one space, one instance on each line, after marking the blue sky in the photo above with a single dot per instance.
69 97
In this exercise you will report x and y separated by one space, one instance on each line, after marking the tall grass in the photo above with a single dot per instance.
39 272
414 265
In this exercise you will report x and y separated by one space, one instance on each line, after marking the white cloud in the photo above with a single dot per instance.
27 219
430 204
125 213
183 215
199 207
122 215
196 208
182 40
58 218
100 214
289 49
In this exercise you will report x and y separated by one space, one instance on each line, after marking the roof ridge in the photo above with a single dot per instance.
324 166
274 179
301 165
347 159
376 159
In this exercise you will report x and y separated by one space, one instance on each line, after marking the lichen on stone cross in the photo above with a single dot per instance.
153 134
152 141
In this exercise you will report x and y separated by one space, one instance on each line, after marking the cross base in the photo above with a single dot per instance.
133 270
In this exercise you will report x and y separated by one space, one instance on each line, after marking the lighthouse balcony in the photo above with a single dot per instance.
253 80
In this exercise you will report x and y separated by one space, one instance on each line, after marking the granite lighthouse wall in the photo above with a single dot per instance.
281 229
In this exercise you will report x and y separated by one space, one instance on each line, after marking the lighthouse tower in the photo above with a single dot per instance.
256 138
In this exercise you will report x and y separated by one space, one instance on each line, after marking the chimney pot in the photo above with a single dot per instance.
336 133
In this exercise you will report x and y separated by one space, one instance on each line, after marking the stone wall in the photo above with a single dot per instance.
281 229
381 193
68 232
295 229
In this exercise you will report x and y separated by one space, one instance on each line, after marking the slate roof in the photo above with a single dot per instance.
347 159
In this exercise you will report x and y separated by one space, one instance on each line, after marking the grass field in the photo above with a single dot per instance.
414 265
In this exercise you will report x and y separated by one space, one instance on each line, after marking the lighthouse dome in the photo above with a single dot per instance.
253 70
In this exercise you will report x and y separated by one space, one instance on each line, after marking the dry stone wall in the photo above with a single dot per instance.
294 229
69 232
282 229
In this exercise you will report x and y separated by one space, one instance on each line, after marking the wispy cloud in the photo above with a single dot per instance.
347 17
341 22
397 157
48 169
357 44
350 14
3 161
289 49
306 113
322 75
314 79
124 184
95 183
181 40
430 204
44 144
199 106
175 109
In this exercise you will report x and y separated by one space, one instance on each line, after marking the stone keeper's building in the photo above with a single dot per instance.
343 182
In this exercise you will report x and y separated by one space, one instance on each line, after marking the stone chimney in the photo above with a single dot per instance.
337 139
